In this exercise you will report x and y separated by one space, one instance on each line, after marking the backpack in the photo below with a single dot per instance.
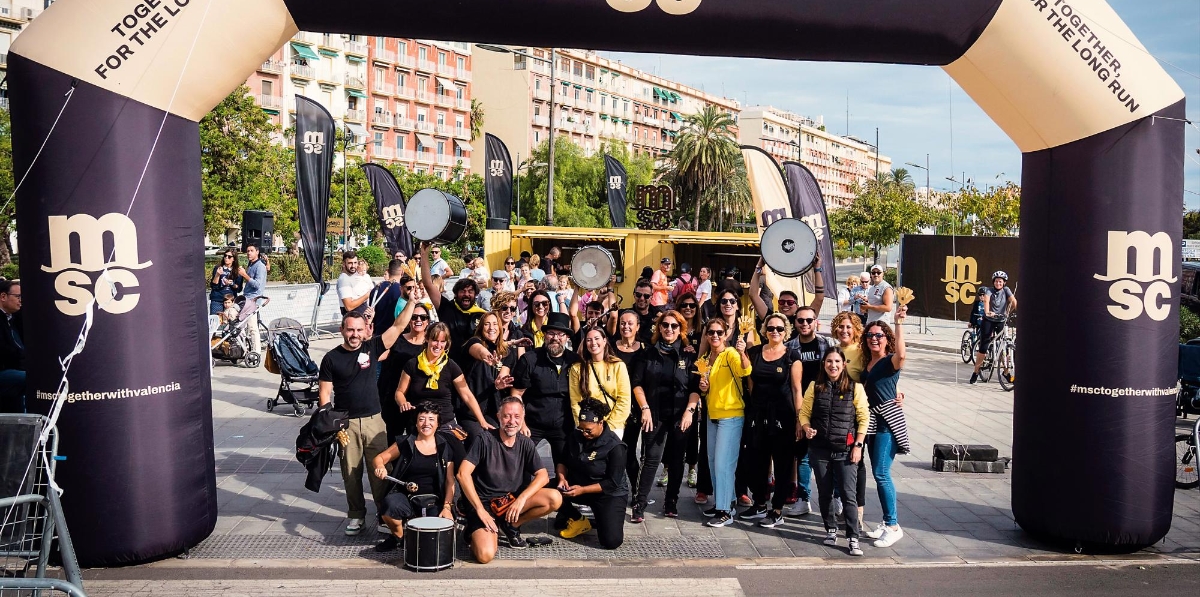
681 287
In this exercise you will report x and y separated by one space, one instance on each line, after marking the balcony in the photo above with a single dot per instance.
446 70
424 96
425 157
405 123
445 100
424 126
383 152
462 104
446 160
385 55
463 74
270 101
426 66
442 129
356 47
383 119
274 67
406 61
306 37
406 155
301 71
652 121
541 121
331 41
541 94
355 81
462 133
356 115
383 88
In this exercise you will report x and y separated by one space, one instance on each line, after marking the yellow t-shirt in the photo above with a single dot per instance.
854 362
725 389
615 379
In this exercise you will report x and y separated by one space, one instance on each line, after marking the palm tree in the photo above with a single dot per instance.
705 155
476 119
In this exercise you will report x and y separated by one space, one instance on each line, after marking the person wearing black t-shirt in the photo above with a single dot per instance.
407 346
503 486
461 315
424 460
542 381
433 376
647 313
776 391
488 368
347 378
594 475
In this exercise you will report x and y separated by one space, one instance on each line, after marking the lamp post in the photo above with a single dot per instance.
928 190
526 165
347 135
550 174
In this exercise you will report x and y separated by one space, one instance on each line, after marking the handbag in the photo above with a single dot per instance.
607 397
499 506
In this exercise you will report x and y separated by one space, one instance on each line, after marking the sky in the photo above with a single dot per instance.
919 110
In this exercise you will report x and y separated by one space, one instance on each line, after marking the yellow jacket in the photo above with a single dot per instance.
725 389
615 379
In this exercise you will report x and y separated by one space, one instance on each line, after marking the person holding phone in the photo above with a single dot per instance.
594 475
664 384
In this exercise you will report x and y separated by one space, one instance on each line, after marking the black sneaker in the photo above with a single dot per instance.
974 378
711 512
753 513
510 536
538 540
388 544
722 519
671 509
638 515
773 519
561 519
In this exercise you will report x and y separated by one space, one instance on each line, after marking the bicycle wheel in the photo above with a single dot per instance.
1185 462
1007 365
966 350
989 364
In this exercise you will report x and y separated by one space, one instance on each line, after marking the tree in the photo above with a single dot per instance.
882 211
1191 224
240 167
580 198
8 212
705 157
995 211
477 118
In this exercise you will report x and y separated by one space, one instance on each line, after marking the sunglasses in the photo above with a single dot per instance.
642 295
729 301
786 303
716 333
410 287
510 263
497 279
420 318
876 335
876 273
775 329
669 325
510 308
687 306
229 256
805 320
540 304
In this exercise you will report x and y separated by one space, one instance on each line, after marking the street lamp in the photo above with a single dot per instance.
550 175
526 165
928 190
347 135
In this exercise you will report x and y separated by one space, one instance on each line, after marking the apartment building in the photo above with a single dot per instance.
836 161
15 15
405 101
595 100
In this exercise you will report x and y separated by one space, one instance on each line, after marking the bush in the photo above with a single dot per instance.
377 257
9 271
1189 325
890 276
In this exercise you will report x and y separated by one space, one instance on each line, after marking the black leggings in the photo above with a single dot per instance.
772 445
556 436
609 514
664 445
703 475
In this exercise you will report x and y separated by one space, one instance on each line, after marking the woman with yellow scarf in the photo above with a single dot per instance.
540 306
430 377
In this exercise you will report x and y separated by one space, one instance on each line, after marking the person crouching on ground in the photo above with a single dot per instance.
424 461
594 475
834 418
497 499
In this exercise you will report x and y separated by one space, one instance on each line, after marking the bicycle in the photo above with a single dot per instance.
1002 355
1187 445
966 349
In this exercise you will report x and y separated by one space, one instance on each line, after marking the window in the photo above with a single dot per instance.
352 103
402 48
441 118
380 43
268 88
401 110
537 83
422 53
577 93
380 78
458 122
458 152
537 137
378 141
462 63
589 73
441 59
578 69
459 91
401 79
589 97
537 111
422 83
401 141
603 100
441 148
421 115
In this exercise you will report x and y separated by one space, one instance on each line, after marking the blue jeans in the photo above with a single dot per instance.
803 478
12 391
883 452
724 442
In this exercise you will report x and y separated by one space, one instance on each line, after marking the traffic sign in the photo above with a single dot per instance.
335 226
1191 250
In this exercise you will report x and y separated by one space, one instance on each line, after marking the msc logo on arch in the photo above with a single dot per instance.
1141 268
671 7
114 287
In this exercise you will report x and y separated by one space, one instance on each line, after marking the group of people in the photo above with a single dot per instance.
457 407
234 289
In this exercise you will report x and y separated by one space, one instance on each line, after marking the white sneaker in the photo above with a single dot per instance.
890 536
798 509
877 532
830 538
355 526
855 550
383 529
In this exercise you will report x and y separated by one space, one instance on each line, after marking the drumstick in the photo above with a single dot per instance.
405 485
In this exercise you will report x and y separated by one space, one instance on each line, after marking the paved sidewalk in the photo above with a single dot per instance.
266 514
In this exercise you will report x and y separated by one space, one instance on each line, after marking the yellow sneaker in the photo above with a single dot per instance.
575 528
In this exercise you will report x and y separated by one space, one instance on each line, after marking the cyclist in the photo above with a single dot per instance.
998 302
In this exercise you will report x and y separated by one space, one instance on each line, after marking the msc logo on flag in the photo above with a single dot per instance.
313 142
961 279
1146 286
393 216
496 168
114 287
671 7
615 182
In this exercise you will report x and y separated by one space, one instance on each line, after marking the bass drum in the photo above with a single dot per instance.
436 217
789 247
592 267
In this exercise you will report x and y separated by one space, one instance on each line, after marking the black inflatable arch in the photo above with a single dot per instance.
1101 217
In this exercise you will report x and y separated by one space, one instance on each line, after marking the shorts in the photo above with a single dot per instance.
987 329
399 506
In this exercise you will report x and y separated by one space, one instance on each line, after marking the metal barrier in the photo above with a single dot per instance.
299 302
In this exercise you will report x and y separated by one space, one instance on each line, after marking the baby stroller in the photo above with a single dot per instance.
288 343
231 341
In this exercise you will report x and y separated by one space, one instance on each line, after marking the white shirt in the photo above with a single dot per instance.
704 291
353 287
441 268
875 298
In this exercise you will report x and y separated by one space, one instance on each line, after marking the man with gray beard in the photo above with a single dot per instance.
541 381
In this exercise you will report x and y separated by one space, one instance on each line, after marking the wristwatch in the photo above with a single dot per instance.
858 444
